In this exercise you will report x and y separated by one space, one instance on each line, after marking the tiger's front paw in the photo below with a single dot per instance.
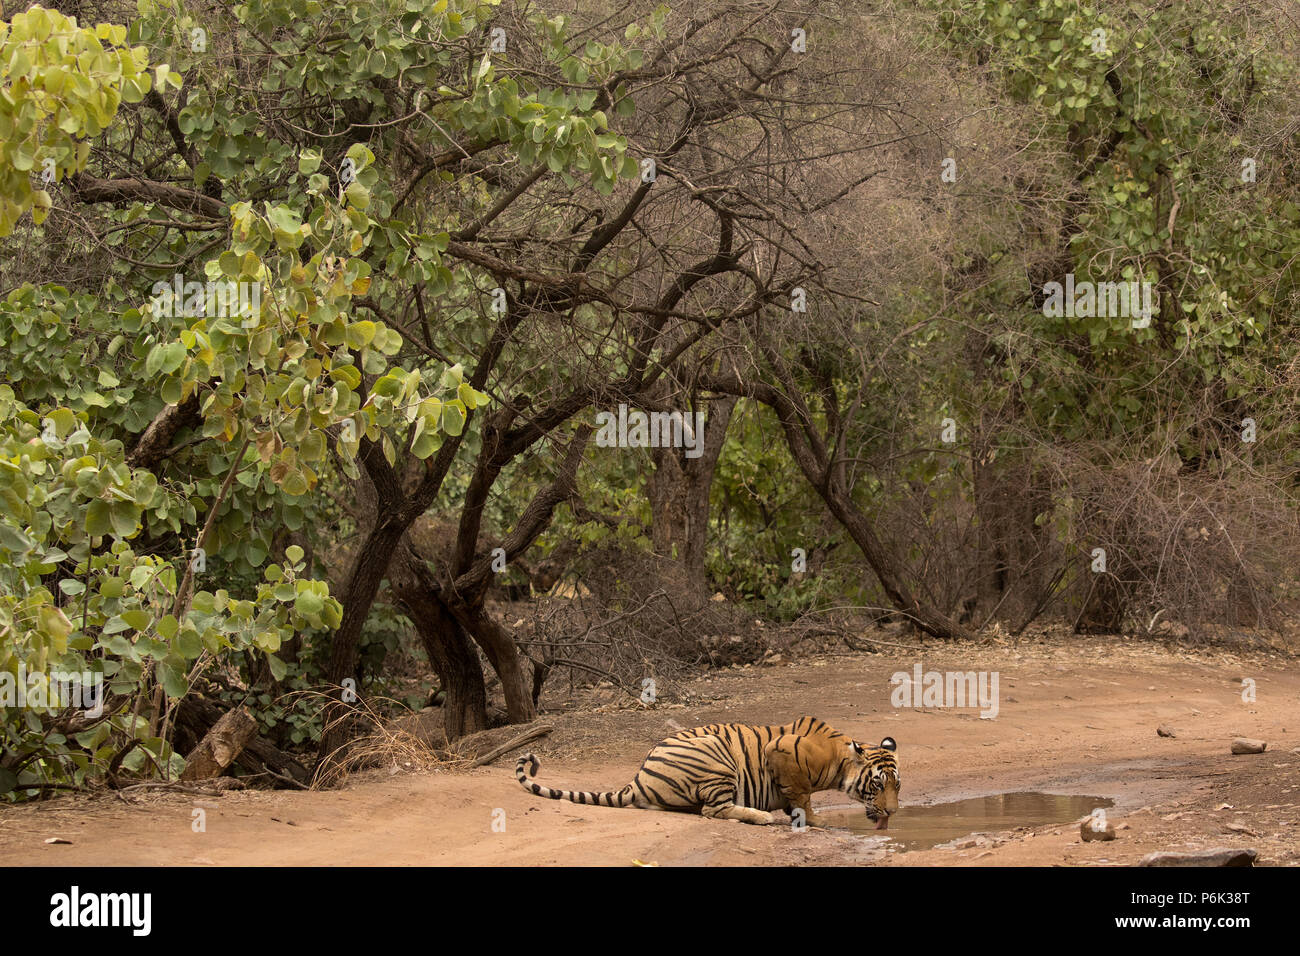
805 818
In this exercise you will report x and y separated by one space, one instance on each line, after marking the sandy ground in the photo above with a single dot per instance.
1077 716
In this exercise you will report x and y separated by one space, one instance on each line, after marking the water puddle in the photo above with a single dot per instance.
919 828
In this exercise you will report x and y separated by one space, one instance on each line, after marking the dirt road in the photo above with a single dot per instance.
1076 716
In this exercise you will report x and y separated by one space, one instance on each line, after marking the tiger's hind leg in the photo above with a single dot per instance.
729 811
717 801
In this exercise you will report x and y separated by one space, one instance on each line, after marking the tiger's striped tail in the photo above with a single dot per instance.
526 769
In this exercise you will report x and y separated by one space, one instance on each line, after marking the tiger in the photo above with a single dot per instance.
743 771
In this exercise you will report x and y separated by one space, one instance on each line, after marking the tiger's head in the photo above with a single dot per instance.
873 780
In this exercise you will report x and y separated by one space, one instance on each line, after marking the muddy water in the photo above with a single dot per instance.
919 828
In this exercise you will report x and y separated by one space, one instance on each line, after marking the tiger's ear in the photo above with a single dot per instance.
888 744
858 748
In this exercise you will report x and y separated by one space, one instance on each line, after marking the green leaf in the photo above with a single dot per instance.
124 517
278 667
164 359
360 334
295 483
453 418
137 619
188 644
424 446
172 676
309 603
98 519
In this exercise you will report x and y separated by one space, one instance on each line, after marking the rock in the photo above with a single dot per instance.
1091 834
1164 730
59 840
1220 856
1240 828
1246 745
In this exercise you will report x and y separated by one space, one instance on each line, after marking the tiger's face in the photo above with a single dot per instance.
874 781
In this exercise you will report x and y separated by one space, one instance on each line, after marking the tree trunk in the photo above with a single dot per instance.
396 513
679 491
368 570
990 561
155 441
504 657
451 653
465 595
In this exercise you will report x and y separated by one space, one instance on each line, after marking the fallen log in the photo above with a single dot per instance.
510 745
197 714
220 746
1220 856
